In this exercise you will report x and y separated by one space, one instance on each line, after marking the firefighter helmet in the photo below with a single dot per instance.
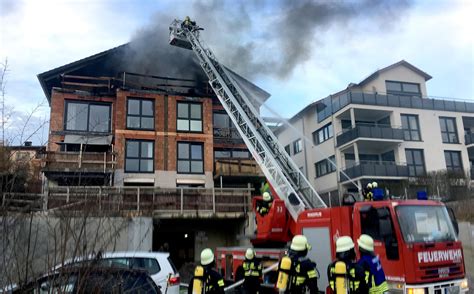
187 18
299 243
207 257
266 196
344 244
374 185
250 253
366 242
369 186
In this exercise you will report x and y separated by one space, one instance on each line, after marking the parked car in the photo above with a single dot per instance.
158 265
93 279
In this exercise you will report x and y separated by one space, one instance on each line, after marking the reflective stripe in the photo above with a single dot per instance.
220 283
312 274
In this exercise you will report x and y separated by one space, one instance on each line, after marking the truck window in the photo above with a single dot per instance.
369 222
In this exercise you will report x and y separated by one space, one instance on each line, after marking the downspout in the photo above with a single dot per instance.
304 149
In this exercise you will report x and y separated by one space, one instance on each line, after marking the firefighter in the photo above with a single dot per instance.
297 273
206 279
263 207
367 193
252 272
353 274
374 275
187 23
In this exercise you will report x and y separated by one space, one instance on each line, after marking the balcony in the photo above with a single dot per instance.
376 169
469 138
372 132
129 201
332 104
237 168
227 136
94 162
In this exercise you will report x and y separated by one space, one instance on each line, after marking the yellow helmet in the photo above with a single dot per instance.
207 257
344 244
366 242
187 18
267 196
374 185
299 243
369 186
250 253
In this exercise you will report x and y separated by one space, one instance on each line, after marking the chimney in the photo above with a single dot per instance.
27 143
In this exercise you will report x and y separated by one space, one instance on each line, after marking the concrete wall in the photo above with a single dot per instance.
33 244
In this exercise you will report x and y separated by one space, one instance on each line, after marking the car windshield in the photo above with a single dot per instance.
425 223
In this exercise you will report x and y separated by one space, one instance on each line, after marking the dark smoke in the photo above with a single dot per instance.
255 38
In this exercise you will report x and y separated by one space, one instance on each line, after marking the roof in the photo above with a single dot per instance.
400 63
48 78
102 64
353 85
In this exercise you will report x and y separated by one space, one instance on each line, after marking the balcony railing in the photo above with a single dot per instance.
376 169
332 104
469 138
75 161
237 167
143 200
368 131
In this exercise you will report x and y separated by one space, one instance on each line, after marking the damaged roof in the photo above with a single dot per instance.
104 64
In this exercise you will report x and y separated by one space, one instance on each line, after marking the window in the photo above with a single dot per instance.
449 132
453 161
189 117
139 156
87 117
402 88
221 120
411 127
323 134
287 149
297 146
415 162
190 158
140 114
230 153
325 167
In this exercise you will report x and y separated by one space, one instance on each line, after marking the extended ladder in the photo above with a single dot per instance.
287 180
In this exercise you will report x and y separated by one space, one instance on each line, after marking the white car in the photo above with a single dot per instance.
158 264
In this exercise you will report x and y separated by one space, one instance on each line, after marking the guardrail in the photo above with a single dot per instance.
97 161
237 167
372 168
366 131
138 199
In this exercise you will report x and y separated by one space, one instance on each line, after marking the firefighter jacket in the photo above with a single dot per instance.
252 275
303 276
213 283
368 194
263 207
373 272
354 275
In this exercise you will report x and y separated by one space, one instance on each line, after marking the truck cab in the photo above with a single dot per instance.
417 243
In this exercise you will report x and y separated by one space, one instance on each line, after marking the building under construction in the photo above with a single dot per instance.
164 140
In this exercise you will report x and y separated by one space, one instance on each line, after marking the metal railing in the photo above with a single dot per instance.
376 168
227 136
89 161
139 199
370 131
332 104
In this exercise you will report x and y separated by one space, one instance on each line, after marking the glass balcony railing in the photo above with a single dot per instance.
369 131
332 104
375 169
469 138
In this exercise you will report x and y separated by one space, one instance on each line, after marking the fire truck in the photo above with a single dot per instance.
416 240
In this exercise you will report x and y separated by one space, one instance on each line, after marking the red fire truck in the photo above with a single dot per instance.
415 239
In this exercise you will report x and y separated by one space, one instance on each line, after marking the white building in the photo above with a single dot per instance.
385 128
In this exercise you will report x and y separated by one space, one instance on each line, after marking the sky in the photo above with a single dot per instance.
298 51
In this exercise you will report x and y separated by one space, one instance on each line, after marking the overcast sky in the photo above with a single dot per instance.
298 51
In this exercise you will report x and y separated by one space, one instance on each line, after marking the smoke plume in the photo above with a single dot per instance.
256 38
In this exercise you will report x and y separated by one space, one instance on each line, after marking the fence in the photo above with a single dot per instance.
139 199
